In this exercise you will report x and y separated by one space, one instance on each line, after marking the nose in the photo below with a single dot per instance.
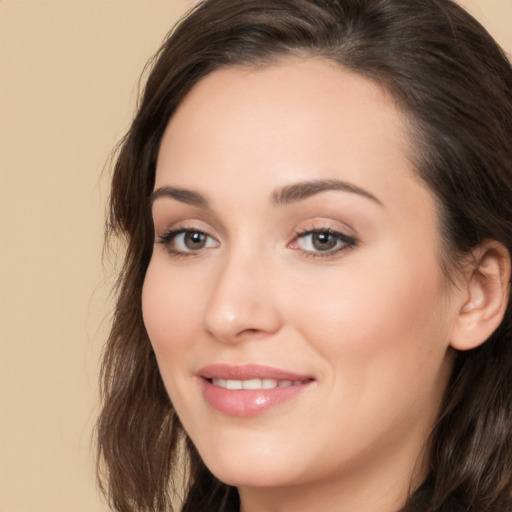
242 302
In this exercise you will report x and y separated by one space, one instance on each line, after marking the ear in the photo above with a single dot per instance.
485 290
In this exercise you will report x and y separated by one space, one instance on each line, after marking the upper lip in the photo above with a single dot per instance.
247 372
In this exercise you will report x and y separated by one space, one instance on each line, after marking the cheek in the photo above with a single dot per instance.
370 316
384 337
170 308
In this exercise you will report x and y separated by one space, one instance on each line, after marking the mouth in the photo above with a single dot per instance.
249 390
255 383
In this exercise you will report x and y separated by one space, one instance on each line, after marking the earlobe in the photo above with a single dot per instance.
486 287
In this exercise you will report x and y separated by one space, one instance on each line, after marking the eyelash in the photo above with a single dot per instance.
170 236
346 241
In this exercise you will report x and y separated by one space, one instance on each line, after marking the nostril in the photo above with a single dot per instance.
249 331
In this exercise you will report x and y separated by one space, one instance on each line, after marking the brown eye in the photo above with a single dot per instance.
185 241
324 241
194 240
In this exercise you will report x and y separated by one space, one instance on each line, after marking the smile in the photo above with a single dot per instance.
249 390
255 383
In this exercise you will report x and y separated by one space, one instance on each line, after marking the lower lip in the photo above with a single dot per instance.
248 402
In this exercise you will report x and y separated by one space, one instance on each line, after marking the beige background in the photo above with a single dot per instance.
68 75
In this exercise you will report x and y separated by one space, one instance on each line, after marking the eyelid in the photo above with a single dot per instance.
164 226
347 241
343 240
168 236
171 234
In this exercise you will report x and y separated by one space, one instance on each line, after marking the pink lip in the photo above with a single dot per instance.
248 402
248 371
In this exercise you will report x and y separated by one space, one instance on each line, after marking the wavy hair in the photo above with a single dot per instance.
454 84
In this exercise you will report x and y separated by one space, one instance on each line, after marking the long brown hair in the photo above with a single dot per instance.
454 83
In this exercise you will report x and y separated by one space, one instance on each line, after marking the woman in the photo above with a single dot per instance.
314 309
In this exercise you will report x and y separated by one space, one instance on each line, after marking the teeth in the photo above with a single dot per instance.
233 384
251 384
269 383
254 383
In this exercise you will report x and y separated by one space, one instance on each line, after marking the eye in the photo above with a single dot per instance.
187 241
322 242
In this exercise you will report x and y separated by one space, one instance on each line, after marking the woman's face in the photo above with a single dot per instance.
296 257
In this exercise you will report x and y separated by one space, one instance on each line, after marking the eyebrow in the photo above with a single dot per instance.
305 189
286 195
180 194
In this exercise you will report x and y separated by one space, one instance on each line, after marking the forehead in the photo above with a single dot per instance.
306 89
297 119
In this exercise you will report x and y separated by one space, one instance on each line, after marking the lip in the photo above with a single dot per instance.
248 371
249 402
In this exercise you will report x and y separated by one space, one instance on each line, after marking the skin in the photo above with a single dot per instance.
371 323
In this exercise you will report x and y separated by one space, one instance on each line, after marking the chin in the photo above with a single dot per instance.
251 478
241 470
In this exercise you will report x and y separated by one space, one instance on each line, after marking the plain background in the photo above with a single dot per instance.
68 85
